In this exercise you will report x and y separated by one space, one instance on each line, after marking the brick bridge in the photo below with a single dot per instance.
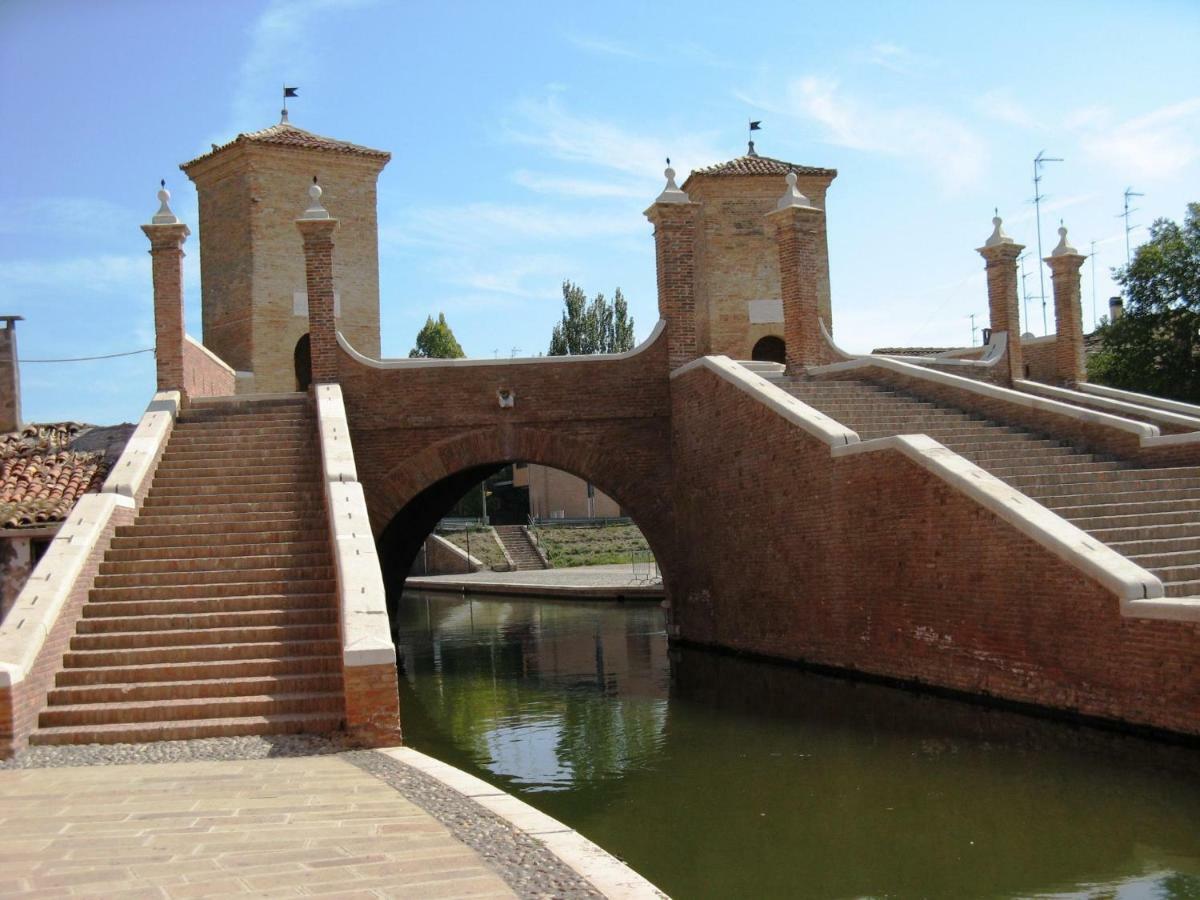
942 521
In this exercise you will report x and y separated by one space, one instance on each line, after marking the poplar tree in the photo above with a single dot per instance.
436 341
597 327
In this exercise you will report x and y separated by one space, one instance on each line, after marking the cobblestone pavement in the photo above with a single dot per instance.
351 824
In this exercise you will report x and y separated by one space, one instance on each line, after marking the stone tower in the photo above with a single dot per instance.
251 259
738 295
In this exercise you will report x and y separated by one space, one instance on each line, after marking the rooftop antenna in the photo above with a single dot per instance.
287 92
1038 161
1129 192
755 125
973 328
1024 286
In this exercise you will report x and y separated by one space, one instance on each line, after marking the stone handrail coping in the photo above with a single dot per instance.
1176 406
659 327
992 352
774 397
1115 405
136 464
27 625
362 600
212 356
993 392
337 453
1140 592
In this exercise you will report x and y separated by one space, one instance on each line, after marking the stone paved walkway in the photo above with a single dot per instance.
581 581
314 826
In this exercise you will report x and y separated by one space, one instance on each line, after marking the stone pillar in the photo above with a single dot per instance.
1000 253
167 234
798 228
1065 262
10 376
317 228
674 217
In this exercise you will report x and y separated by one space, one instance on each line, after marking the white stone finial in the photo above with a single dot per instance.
1063 248
315 209
998 236
164 216
671 193
792 196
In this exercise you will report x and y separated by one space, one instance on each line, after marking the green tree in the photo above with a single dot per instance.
1154 347
436 341
596 327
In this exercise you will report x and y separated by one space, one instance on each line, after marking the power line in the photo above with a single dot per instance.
89 358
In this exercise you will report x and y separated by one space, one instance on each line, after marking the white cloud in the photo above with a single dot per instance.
548 126
529 276
80 216
81 274
895 58
1050 207
999 104
944 145
1159 144
576 187
492 224
603 46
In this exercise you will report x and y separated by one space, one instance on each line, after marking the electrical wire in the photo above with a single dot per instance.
88 358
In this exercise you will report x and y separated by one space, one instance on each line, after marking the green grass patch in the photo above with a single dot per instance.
567 546
484 546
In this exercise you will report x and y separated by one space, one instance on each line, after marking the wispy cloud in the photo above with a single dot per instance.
1054 205
894 57
944 145
78 216
541 183
79 275
548 126
1159 144
527 276
999 104
496 224
603 46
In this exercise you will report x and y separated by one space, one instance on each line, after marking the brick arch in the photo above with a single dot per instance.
648 504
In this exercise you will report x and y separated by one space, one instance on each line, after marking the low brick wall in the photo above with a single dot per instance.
440 557
372 708
870 562
204 375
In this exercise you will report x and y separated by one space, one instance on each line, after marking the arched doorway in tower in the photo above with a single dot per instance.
770 349
302 357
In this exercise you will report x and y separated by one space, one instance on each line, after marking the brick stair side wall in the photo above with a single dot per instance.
24 696
204 373
870 563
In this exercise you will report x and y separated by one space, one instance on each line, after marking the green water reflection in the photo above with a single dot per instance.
722 777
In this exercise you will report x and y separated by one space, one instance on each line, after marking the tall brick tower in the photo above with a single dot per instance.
738 295
253 290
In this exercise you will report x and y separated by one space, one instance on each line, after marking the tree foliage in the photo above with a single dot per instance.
435 340
596 327
1154 347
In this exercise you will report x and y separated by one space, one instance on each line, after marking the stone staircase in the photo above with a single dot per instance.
215 612
520 549
1151 516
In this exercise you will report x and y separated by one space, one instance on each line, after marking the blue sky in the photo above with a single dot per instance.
528 138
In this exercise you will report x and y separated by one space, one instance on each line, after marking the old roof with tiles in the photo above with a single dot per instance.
287 135
44 469
753 164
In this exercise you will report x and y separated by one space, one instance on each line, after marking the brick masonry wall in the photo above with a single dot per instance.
19 707
203 376
870 563
737 259
1039 359
603 420
372 705
250 198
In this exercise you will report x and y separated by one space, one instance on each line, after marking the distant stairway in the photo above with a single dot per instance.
1151 516
214 613
519 547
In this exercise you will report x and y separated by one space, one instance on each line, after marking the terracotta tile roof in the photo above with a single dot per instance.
912 351
753 164
287 135
44 469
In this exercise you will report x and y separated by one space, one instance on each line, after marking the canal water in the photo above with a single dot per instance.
717 776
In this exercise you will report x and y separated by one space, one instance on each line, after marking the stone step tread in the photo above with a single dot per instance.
137 691
1123 534
290 723
122 552
223 669
192 708
237 558
196 653
199 636
224 589
216 620
97 609
251 575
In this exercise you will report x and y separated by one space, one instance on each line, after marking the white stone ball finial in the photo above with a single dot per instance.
997 236
315 209
671 193
1063 248
164 216
792 196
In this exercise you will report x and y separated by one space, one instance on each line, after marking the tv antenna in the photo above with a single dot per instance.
1129 192
1024 287
1038 161
973 328
1092 257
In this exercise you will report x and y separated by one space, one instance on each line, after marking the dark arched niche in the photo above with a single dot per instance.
770 349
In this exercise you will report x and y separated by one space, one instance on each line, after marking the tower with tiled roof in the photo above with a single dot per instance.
251 262
738 296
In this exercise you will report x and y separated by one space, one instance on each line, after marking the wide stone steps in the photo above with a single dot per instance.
215 612
520 550
137 733
1152 516
249 686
